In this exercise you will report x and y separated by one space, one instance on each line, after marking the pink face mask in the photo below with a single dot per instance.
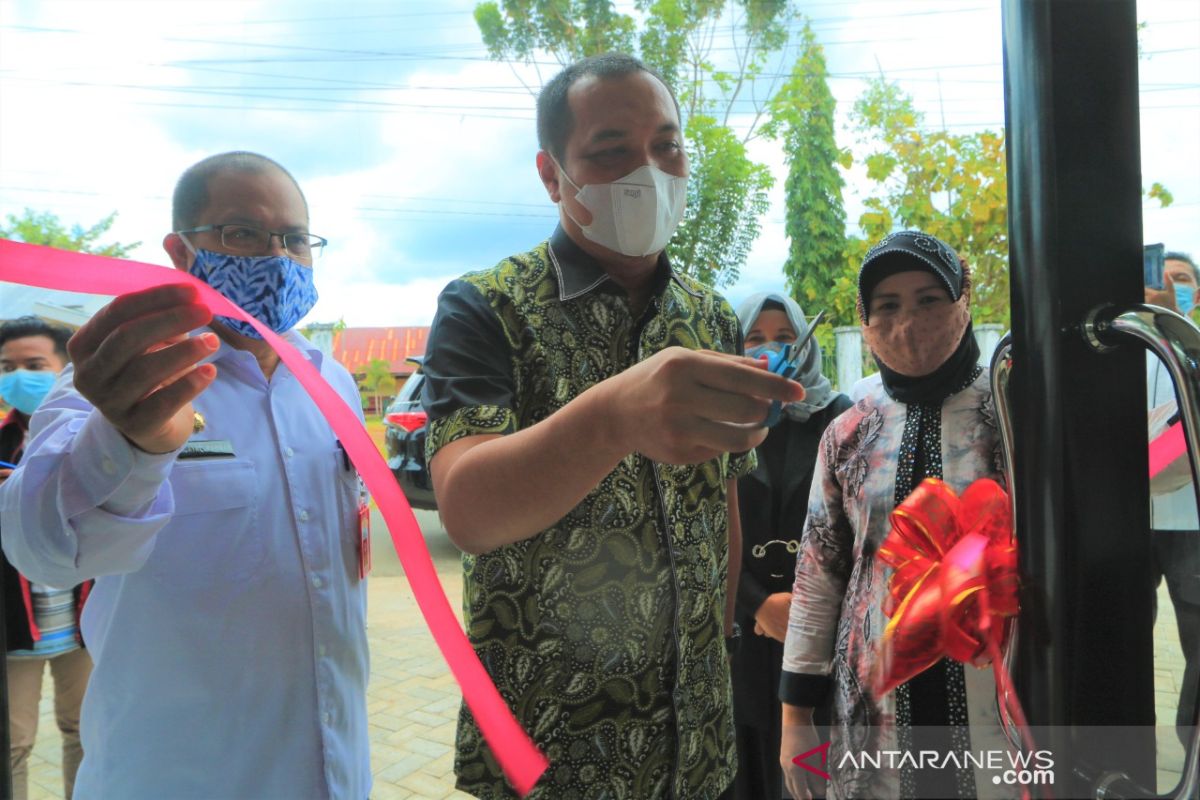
915 343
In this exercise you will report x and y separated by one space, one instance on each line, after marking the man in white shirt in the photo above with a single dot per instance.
1173 514
193 477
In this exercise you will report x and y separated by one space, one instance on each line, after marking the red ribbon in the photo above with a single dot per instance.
1170 445
954 588
523 764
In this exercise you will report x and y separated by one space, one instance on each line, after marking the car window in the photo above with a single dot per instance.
411 390
409 396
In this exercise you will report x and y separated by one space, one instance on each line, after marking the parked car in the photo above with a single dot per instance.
404 424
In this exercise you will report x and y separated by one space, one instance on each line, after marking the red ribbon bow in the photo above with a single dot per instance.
954 589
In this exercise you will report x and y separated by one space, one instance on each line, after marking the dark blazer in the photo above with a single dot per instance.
769 559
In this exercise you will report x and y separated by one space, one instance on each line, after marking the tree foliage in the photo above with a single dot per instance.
802 119
727 191
378 379
46 228
953 186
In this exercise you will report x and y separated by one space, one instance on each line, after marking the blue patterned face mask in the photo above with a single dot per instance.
275 290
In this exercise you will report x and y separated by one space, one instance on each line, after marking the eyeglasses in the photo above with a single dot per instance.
252 241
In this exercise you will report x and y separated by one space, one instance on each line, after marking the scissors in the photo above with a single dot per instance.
787 364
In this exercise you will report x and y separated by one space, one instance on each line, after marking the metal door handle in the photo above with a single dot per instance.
1176 341
1001 374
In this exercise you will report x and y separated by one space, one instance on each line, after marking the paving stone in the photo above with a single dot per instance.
421 783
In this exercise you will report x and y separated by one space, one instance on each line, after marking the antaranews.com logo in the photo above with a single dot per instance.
1007 767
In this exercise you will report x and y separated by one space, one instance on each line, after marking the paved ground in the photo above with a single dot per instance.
413 701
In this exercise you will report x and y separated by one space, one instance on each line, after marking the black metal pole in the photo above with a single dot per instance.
1075 237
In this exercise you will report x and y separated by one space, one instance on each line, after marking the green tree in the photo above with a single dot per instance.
953 186
46 228
378 379
802 119
727 191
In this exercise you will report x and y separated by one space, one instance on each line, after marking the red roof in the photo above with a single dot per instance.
355 348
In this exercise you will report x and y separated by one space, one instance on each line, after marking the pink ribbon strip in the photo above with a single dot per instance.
1170 445
49 268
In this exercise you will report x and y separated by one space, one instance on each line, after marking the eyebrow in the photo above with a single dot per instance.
925 288
252 223
609 134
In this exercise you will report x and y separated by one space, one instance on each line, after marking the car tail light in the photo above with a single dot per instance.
409 420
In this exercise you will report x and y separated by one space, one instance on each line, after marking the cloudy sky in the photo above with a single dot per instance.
416 151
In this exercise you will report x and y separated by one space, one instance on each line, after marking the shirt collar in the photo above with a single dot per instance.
578 273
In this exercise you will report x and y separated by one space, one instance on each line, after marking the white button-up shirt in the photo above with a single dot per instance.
227 620
1174 510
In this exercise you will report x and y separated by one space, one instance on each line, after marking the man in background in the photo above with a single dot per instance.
1174 523
41 623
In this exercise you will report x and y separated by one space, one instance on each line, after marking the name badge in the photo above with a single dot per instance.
364 539
207 448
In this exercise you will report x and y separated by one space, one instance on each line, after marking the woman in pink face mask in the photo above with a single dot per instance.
927 413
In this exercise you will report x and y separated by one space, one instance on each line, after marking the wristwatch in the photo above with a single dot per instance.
733 640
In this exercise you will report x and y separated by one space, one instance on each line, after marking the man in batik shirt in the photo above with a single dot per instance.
579 446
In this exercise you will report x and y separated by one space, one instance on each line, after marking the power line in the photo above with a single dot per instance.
354 104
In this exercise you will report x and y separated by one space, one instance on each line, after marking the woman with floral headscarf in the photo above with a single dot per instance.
772 501
928 413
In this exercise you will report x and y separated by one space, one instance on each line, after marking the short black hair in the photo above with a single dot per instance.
24 327
191 191
554 119
1185 258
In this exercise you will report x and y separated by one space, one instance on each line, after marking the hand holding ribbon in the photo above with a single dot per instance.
34 265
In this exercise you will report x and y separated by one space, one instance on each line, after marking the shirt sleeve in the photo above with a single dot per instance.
469 384
822 573
85 502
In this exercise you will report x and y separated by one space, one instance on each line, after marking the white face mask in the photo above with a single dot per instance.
635 215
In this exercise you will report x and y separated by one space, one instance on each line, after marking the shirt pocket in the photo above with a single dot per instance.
213 536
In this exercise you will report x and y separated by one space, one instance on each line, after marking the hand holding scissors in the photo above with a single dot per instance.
787 363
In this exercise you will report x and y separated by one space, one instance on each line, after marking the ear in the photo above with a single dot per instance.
548 172
181 257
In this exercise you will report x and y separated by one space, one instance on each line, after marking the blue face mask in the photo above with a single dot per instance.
1185 299
275 290
25 389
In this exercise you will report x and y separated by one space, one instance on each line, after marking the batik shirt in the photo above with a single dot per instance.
604 632
836 617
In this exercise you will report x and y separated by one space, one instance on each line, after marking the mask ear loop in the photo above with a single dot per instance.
574 185
190 247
